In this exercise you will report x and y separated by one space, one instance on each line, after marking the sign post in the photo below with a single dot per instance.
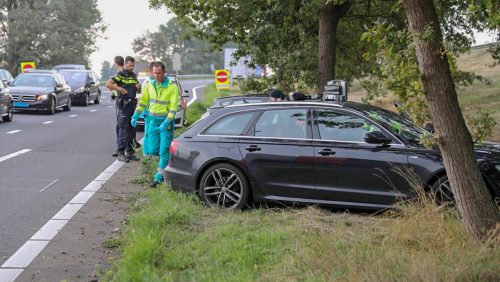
176 60
27 65
222 79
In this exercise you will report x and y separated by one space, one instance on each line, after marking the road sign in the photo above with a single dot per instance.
176 60
27 65
222 79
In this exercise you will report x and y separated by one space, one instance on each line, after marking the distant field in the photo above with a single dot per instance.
480 96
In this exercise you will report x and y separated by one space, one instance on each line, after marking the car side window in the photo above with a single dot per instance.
285 123
230 125
341 126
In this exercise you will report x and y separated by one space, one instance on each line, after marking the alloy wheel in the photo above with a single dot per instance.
223 188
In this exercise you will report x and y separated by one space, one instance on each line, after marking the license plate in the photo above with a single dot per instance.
21 105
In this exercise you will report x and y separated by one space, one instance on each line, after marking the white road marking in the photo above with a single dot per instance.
93 111
110 106
9 275
14 131
194 95
48 122
14 155
72 116
49 230
51 183
22 258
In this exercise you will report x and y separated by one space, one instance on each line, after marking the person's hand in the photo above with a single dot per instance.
123 90
134 120
138 86
166 125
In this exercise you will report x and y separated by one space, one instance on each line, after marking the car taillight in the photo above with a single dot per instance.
173 146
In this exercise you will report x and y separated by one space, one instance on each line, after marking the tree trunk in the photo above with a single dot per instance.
329 18
473 200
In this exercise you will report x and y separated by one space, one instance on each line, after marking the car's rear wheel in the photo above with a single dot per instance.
98 98
52 107
224 186
67 108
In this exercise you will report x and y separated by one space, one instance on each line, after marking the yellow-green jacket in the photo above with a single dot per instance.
163 99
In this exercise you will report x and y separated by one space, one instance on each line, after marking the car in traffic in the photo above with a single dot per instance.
69 67
6 103
6 76
41 91
347 155
84 86
180 116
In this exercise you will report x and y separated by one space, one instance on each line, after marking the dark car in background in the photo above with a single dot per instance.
180 116
222 102
69 67
6 103
84 86
40 91
6 77
348 155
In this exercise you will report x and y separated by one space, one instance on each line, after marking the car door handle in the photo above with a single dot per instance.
326 152
253 148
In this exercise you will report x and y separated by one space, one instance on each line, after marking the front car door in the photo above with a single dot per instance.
349 171
278 152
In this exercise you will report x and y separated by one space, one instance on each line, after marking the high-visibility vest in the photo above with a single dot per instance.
163 99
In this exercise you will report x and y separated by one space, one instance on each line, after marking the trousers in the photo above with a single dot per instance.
157 143
124 130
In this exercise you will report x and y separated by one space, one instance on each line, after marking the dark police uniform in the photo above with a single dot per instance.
125 106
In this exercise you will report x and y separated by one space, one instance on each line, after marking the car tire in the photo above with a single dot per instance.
441 191
224 186
97 100
52 107
67 108
86 102
10 115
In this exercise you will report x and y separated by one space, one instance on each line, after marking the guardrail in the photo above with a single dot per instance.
484 45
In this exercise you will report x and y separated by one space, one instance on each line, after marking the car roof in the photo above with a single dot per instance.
40 71
75 70
347 105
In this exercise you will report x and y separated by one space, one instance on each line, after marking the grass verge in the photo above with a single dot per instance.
198 108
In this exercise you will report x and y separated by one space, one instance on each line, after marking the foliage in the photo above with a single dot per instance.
66 30
481 126
173 37
107 71
281 34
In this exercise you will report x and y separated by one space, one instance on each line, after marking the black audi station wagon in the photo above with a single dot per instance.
348 155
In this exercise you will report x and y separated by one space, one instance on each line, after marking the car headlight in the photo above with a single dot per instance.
81 89
42 97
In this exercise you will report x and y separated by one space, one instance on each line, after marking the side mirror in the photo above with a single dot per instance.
429 127
377 137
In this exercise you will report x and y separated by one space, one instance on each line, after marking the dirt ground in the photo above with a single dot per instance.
78 252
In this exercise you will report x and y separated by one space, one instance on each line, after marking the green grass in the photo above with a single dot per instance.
198 108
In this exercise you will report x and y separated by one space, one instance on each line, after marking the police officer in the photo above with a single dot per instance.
161 98
126 84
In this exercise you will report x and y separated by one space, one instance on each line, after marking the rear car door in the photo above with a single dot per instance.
278 152
93 85
351 172
62 90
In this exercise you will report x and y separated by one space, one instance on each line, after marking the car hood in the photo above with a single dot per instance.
29 90
488 150
75 86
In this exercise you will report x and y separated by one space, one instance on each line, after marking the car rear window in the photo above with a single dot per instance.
230 125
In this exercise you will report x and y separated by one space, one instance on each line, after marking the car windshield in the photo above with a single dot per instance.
398 125
75 77
3 75
34 80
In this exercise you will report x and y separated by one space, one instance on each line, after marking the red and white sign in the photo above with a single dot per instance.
222 79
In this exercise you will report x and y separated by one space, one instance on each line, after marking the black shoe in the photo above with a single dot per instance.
122 158
136 144
132 157
153 184
116 153
129 151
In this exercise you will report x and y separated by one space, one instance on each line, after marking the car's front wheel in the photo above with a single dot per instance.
442 190
224 186
98 98
52 107
10 115
68 105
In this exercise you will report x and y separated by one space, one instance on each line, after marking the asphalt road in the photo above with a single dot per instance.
46 160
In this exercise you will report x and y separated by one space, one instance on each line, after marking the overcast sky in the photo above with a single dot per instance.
126 20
